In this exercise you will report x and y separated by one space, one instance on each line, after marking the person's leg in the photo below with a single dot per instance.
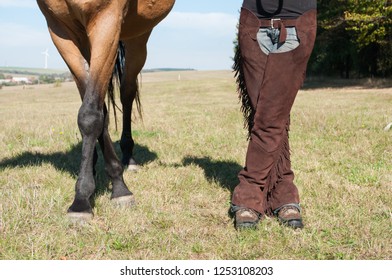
284 196
250 62
284 191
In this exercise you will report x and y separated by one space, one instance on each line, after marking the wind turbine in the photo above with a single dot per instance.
46 54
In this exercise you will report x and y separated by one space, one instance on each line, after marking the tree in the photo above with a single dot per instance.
354 37
371 22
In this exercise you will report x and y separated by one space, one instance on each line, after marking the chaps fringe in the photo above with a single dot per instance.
246 108
281 166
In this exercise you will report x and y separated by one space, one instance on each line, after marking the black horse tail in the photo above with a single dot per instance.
115 82
246 108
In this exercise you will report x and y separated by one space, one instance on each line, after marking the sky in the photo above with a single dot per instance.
197 34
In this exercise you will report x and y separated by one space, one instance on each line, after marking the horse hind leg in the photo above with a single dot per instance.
121 195
126 142
135 58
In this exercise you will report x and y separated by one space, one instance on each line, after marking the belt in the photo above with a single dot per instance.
278 24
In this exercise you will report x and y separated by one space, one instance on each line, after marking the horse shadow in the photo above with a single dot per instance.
69 161
222 172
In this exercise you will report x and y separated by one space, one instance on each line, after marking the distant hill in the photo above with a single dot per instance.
32 71
167 70
42 71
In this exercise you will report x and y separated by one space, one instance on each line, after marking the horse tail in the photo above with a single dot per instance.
137 99
246 108
115 82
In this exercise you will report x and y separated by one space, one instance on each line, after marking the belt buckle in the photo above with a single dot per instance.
273 21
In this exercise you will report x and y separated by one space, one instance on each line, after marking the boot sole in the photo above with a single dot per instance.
246 225
295 223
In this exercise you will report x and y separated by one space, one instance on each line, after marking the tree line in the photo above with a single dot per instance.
354 39
7 79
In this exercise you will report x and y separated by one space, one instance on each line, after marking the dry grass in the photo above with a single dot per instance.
192 145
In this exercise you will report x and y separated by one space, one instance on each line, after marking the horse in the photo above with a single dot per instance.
97 38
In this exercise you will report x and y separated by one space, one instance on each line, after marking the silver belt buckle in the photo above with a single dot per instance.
273 21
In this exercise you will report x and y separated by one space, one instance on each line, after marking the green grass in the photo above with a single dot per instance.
191 144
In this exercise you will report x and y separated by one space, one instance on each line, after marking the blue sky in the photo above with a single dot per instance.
197 34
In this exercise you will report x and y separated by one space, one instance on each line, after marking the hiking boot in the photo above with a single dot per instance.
246 218
290 215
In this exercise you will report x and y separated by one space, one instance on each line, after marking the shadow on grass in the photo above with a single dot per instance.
69 162
223 172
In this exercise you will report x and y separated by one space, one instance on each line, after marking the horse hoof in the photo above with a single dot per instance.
79 218
124 201
133 168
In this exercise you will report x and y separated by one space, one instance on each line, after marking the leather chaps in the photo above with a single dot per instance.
268 85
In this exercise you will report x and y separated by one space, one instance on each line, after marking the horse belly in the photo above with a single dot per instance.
82 10
87 5
143 16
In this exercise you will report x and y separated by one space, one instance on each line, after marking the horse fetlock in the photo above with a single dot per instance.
127 158
80 206
126 145
120 189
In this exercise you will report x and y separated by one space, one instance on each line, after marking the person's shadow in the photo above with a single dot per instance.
223 172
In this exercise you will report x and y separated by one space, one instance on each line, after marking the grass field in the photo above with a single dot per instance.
191 144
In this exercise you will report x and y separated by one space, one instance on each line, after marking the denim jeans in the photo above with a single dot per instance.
268 39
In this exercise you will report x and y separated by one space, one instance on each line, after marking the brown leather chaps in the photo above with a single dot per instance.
268 85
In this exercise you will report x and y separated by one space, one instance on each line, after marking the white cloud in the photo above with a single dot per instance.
18 3
193 40
16 35
218 23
